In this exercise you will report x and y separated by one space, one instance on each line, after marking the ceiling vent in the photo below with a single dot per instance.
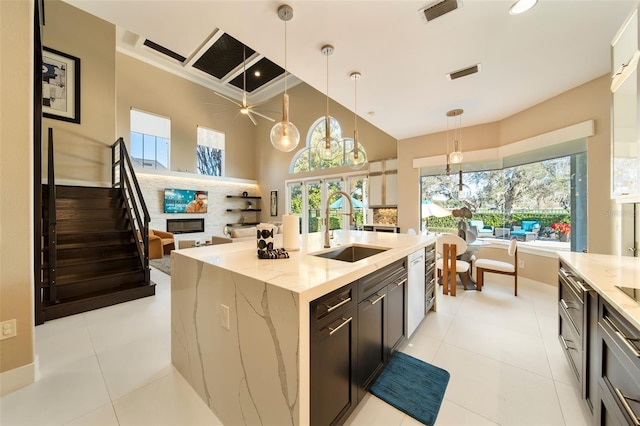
464 72
164 50
438 9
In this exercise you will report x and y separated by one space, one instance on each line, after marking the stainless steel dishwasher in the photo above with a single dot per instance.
415 291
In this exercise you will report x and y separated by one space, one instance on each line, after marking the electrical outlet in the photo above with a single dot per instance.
8 329
520 263
224 316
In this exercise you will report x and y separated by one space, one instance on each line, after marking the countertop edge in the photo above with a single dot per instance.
603 272
326 275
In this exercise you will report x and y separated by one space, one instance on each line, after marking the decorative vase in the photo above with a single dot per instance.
564 238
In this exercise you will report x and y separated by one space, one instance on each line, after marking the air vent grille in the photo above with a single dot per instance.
464 72
439 9
164 50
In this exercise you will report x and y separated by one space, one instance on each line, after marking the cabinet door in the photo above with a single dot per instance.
333 362
625 165
371 339
396 313
391 188
375 190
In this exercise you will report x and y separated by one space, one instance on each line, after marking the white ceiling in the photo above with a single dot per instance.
558 45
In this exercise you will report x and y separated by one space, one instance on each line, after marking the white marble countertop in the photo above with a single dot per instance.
603 272
309 276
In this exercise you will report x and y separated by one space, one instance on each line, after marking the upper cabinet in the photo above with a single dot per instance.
383 183
625 118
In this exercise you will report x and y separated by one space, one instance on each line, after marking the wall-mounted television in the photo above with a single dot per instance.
185 201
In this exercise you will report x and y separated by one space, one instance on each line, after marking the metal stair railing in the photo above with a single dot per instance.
52 237
123 176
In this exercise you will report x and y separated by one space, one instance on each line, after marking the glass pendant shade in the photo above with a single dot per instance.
284 135
357 158
356 155
455 157
329 151
462 191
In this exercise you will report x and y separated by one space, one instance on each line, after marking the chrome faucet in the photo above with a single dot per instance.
326 217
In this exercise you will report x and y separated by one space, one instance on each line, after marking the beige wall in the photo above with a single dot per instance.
306 106
16 182
150 89
82 150
589 101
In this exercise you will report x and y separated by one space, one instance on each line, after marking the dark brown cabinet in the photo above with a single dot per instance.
372 354
334 322
354 331
396 314
577 324
603 349
619 381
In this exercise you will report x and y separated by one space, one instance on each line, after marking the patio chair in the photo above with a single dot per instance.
528 231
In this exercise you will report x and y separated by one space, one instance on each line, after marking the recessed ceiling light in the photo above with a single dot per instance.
522 6
257 73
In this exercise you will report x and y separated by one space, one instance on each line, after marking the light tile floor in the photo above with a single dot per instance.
112 366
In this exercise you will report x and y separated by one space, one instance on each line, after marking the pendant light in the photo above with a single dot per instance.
357 157
284 134
330 149
456 154
463 191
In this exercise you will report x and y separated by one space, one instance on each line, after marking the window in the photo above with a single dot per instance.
308 199
309 158
210 152
551 194
150 140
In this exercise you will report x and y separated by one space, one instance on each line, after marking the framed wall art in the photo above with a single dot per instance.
60 86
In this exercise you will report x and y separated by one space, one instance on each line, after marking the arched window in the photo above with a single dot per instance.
309 158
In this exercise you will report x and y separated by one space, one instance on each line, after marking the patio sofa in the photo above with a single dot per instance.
527 231
482 229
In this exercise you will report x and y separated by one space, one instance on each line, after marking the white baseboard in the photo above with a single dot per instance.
17 378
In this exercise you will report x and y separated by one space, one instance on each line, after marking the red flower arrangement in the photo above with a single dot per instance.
561 228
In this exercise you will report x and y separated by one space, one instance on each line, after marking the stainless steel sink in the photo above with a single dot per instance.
351 253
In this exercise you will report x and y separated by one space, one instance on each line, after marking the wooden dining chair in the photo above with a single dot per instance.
499 267
449 247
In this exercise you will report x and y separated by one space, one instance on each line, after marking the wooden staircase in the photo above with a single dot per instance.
92 243
98 258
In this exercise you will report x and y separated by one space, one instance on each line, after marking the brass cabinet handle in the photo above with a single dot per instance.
334 307
627 340
345 321
402 281
380 297
623 400
564 343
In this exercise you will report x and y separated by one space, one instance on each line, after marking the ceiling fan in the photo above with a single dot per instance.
244 108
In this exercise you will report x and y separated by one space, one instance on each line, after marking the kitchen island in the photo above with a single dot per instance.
240 325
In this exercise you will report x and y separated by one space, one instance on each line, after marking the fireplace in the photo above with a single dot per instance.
185 226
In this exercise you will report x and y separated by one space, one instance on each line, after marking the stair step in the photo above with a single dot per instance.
113 277
95 285
95 224
83 271
94 203
67 262
98 299
91 236
106 245
86 192
86 214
